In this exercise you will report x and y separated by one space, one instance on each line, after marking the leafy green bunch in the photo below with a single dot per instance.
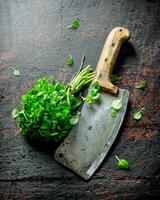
49 109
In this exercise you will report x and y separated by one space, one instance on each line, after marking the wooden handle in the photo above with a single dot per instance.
108 58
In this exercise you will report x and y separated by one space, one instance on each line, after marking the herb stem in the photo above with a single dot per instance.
142 109
117 158
85 76
68 93
69 26
84 82
80 68
82 62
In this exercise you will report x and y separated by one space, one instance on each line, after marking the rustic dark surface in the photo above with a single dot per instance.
34 39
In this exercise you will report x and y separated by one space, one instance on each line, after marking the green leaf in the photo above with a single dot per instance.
74 24
114 78
16 72
113 113
40 93
76 103
69 61
74 120
138 114
53 134
15 113
93 92
96 96
117 104
142 85
122 163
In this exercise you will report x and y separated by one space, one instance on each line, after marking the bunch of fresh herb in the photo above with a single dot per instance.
49 109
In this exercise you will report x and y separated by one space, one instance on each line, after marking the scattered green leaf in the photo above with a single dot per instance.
117 104
93 92
69 61
15 113
74 24
122 163
113 112
138 114
16 72
142 85
114 78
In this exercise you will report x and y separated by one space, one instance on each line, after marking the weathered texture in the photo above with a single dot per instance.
34 38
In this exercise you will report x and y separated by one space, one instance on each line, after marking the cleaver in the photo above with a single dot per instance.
88 142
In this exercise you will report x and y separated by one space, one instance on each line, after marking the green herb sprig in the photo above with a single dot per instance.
69 60
142 85
122 163
115 107
113 112
93 92
117 104
74 24
15 113
138 114
16 72
114 78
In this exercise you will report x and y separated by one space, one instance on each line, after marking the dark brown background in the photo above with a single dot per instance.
34 39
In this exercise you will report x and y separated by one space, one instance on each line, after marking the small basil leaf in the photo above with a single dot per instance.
93 92
113 113
16 72
122 163
138 114
69 61
96 96
117 104
15 113
74 120
74 24
114 78
142 84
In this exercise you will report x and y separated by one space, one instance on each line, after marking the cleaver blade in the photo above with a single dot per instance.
88 142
